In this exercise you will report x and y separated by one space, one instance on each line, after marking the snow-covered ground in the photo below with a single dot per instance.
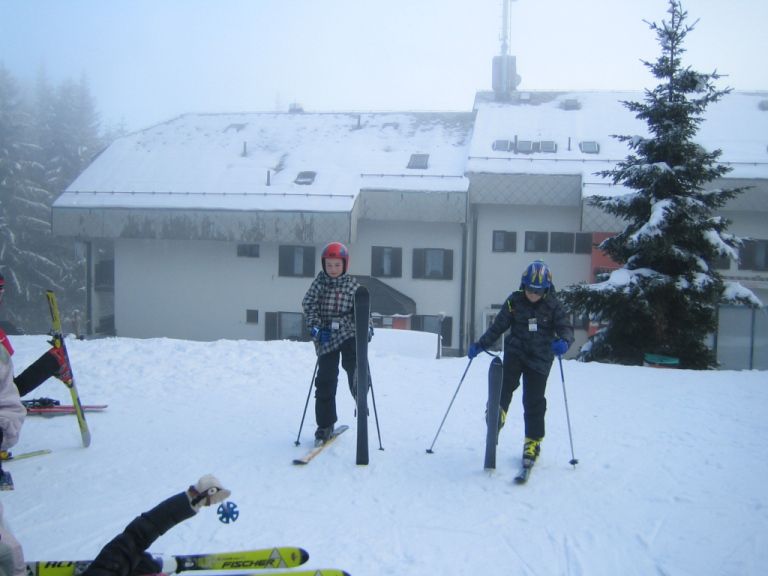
671 476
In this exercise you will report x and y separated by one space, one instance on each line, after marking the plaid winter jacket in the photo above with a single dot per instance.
329 303
532 328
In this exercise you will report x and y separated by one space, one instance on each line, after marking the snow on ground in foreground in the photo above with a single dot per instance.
670 480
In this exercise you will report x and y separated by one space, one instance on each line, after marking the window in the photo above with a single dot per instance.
580 322
419 161
251 316
297 261
525 147
386 262
284 326
504 241
248 250
561 242
589 147
584 243
305 178
536 241
721 263
754 255
549 146
442 325
501 145
433 263
104 276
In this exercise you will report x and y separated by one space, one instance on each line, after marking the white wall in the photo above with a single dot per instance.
432 297
498 273
198 290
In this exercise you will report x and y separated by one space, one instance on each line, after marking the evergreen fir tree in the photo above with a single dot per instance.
664 298
45 142
23 209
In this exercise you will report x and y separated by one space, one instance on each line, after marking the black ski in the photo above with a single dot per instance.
525 472
362 319
492 412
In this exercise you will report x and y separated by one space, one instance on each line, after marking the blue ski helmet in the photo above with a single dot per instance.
537 277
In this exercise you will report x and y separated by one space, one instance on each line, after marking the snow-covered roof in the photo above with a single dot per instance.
224 161
737 124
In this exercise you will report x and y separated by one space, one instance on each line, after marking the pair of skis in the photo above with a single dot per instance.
362 380
258 562
495 376
51 407
57 341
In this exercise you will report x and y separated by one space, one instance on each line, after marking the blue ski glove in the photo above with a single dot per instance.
560 346
474 350
321 335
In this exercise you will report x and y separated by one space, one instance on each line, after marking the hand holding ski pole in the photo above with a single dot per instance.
206 492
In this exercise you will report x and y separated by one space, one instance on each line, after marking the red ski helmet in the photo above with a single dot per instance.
336 250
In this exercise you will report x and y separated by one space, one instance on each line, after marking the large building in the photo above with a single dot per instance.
211 226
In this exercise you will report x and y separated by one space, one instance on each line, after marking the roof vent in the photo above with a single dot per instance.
549 146
305 178
570 104
419 161
525 147
501 145
589 147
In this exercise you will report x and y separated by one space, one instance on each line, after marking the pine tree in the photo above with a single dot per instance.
23 211
664 298
45 142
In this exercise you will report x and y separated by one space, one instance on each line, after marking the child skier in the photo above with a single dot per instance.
52 363
329 313
539 329
125 554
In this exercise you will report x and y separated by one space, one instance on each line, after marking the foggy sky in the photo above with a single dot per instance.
150 60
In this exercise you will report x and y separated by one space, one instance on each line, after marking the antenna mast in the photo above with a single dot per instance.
505 77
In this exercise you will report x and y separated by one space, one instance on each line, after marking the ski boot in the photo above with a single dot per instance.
531 450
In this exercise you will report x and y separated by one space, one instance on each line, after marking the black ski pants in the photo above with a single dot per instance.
37 373
534 387
327 380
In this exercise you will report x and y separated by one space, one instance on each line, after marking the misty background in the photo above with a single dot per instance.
76 74
150 60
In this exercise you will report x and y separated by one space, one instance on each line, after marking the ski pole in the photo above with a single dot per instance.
375 413
309 392
573 461
429 450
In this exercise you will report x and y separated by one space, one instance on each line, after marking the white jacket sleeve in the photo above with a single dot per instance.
12 411
11 554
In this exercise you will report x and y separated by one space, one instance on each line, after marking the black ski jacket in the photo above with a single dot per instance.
125 554
532 328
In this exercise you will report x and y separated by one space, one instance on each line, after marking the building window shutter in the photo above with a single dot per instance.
270 326
448 265
309 261
584 243
418 262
